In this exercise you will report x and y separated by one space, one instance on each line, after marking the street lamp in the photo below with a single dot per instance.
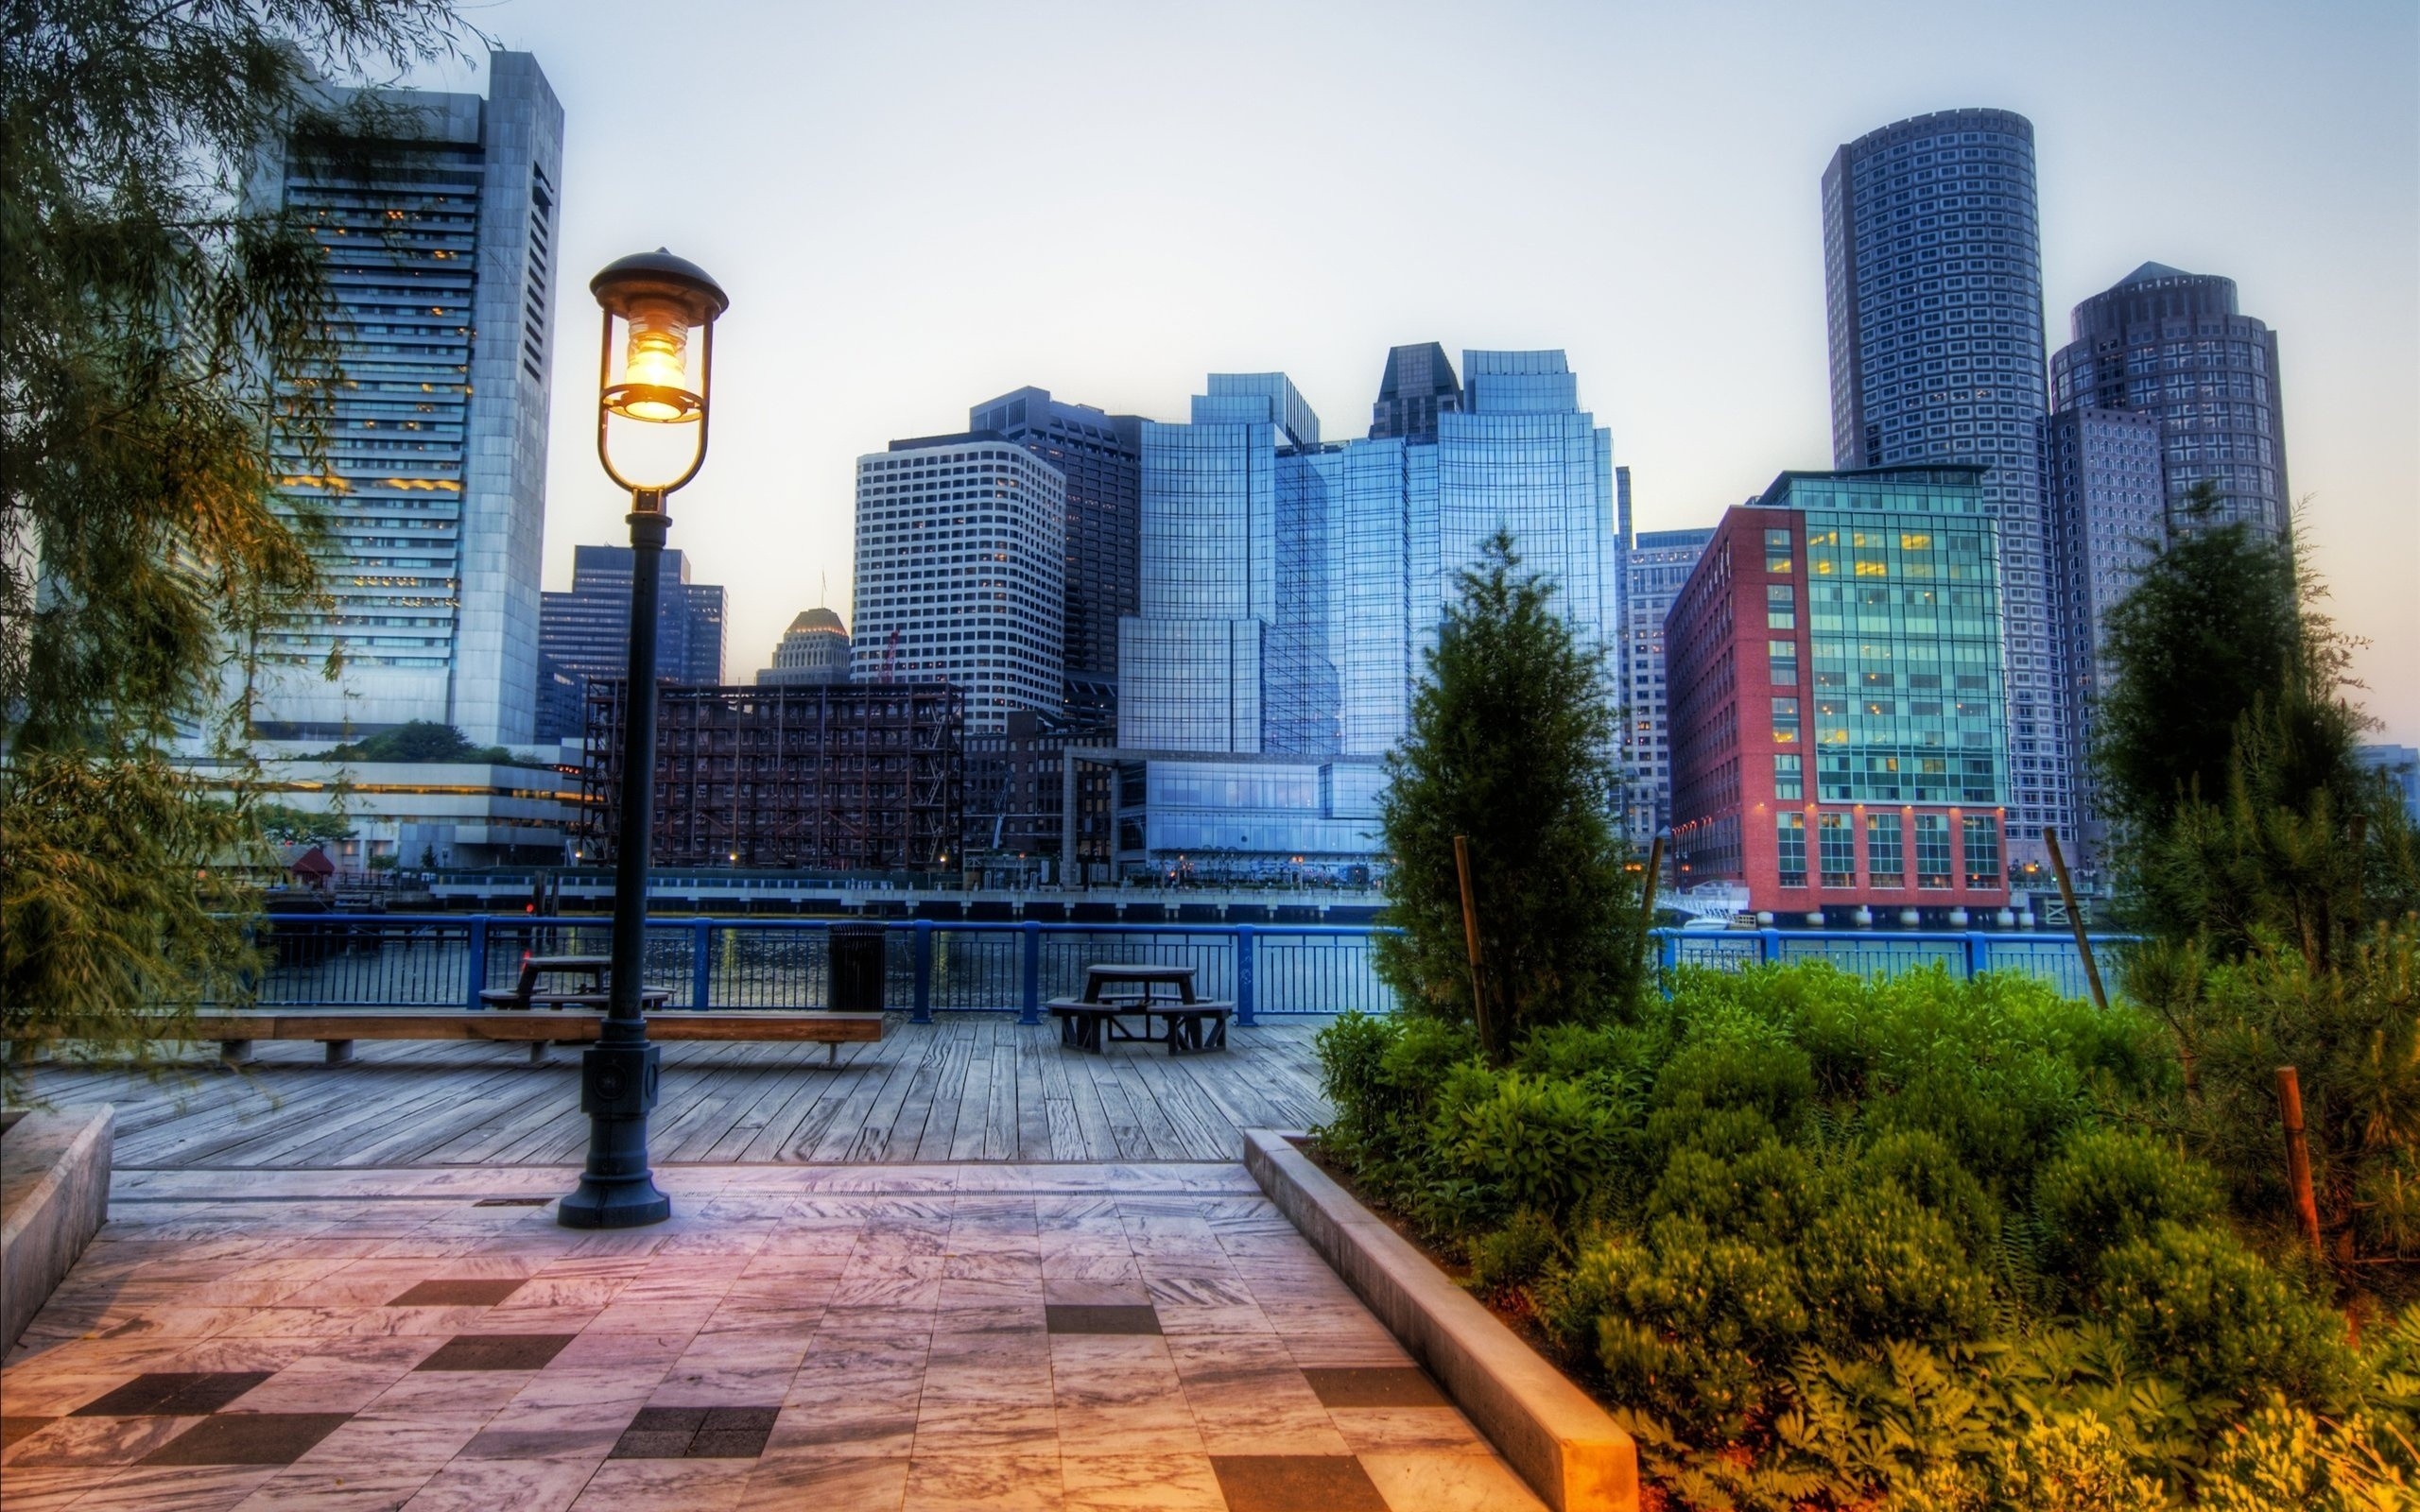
660 302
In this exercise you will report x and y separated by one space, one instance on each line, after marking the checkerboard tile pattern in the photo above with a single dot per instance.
1069 1337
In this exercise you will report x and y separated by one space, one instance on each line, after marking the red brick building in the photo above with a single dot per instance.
1838 703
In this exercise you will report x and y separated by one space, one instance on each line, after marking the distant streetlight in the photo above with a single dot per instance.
659 300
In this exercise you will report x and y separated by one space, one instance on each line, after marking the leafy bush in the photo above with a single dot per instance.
2220 1322
1825 1243
2109 1186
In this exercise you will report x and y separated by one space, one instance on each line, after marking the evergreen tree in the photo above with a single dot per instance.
1509 746
163 344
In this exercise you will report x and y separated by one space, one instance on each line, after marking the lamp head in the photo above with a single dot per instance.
660 300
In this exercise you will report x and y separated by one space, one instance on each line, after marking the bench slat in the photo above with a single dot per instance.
388 1023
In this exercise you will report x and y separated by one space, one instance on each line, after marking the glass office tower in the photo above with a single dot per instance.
1655 565
1838 726
1290 589
442 268
1933 278
2173 345
584 634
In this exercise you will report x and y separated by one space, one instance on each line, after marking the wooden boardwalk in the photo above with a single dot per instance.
967 1088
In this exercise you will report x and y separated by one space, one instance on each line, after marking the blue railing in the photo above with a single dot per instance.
446 960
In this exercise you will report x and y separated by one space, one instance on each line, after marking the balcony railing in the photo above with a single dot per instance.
445 960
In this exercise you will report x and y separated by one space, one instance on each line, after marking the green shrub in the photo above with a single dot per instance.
1696 1328
1878 1264
1382 1076
1522 1142
1741 1070
2197 1306
2109 1186
1766 1194
1516 1255
1926 1168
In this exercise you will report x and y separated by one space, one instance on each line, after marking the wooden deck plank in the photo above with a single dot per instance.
972 1086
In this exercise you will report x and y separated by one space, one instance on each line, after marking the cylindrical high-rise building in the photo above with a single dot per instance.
1932 270
2173 345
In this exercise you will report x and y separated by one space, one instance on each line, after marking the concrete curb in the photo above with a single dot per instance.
54 1197
1571 1453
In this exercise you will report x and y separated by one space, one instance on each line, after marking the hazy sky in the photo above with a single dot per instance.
918 206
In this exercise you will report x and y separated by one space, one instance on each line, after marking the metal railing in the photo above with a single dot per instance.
446 960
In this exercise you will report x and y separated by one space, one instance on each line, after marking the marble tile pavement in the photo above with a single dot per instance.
831 1337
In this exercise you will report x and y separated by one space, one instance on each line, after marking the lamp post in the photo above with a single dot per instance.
658 301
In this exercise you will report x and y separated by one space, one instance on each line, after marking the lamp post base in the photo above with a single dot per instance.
618 1088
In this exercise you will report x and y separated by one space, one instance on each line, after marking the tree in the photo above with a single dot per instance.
1511 741
2211 625
419 740
2275 878
285 825
164 364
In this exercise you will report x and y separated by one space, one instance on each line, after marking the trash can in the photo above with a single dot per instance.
856 967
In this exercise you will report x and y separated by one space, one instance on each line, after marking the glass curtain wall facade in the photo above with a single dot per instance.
584 634
1101 457
1933 278
1835 655
962 541
1291 587
441 257
2173 345
2108 520
1655 565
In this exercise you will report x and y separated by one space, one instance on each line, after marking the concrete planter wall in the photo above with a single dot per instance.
54 1197
1572 1453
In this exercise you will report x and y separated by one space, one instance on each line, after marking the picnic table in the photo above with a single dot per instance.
1115 991
531 991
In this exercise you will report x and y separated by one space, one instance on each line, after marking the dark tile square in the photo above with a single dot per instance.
174 1394
740 1420
468 1293
668 1421
1288 1482
1068 1317
1375 1386
249 1438
710 1444
12 1428
496 1352
655 1444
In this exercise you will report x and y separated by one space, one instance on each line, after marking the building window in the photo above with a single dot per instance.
1781 608
1791 851
1836 847
1782 658
1776 551
1885 866
1982 851
1932 851
1786 721
1787 782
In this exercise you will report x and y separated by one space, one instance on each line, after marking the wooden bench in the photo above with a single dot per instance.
338 1028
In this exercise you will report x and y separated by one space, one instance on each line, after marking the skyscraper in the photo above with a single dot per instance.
584 634
961 547
441 258
1292 585
814 649
1933 280
2108 519
2173 345
1655 565
1101 455
1837 734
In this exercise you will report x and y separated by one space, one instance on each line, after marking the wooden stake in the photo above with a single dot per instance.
1647 901
2289 1108
1470 938
2075 917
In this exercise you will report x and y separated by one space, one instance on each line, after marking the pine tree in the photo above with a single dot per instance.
1511 741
